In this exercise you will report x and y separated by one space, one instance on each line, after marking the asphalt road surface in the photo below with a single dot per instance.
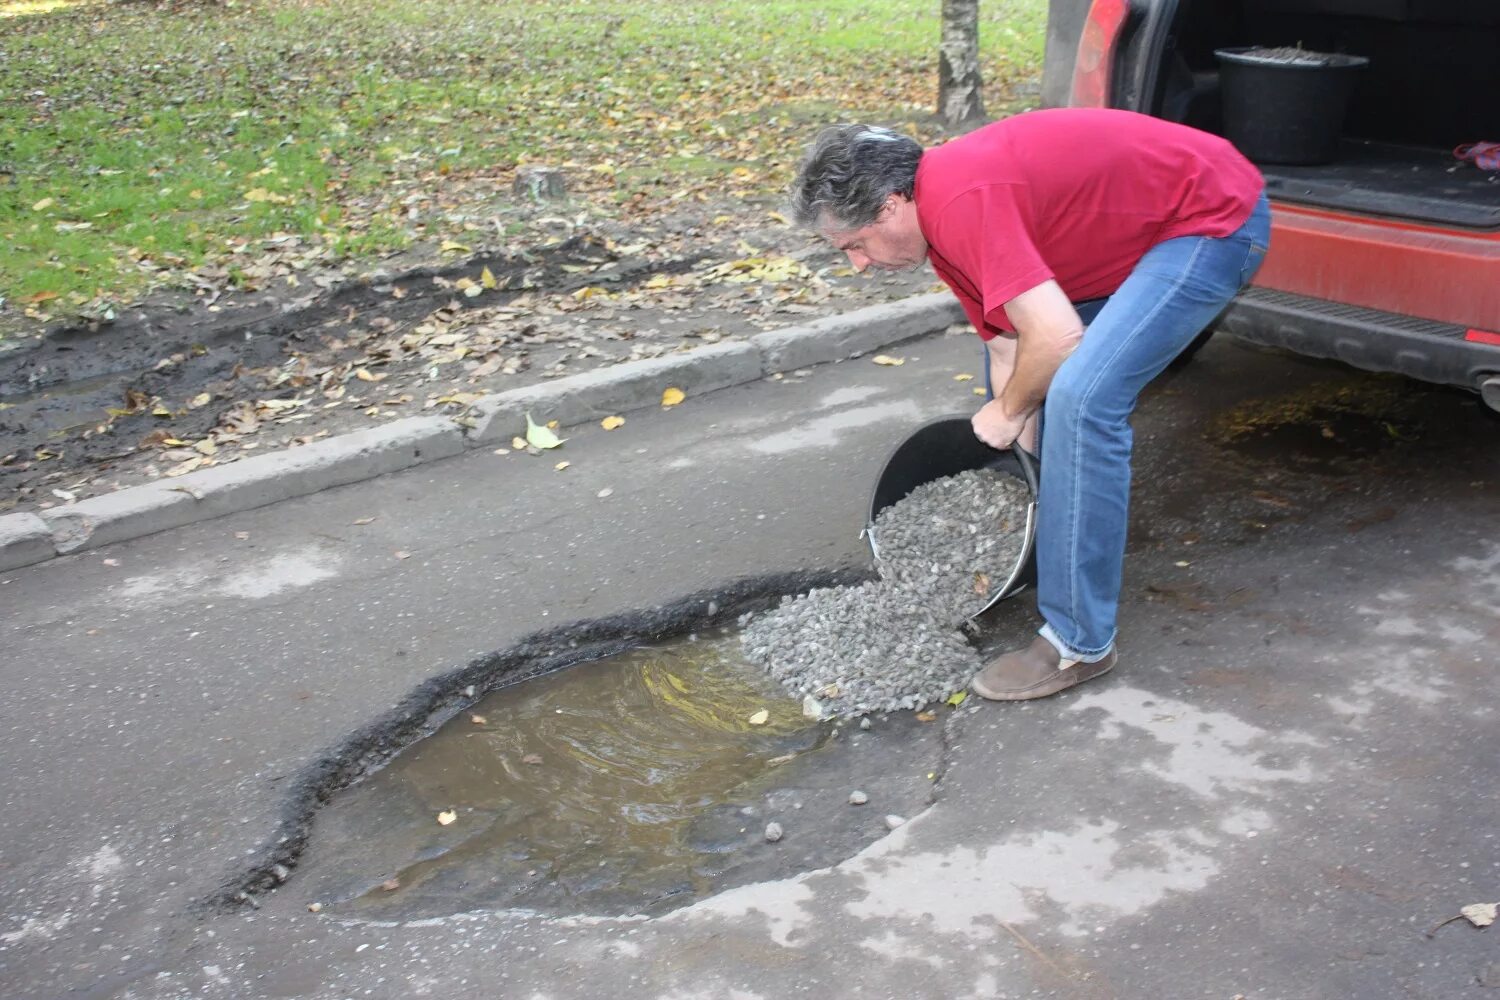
1285 785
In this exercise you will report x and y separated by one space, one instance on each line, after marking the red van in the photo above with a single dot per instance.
1387 257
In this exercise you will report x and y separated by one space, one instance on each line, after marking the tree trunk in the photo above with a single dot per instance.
959 99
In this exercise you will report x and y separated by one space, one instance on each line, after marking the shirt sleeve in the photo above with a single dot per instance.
983 235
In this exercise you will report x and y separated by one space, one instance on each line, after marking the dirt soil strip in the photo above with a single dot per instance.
27 538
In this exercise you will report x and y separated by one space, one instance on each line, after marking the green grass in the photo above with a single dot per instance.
137 143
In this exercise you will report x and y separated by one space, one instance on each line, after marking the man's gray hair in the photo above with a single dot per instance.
849 172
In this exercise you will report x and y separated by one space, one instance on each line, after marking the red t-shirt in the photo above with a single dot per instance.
1075 194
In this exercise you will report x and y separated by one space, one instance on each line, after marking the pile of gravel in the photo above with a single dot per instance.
895 643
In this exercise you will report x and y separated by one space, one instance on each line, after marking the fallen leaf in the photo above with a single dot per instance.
362 520
886 359
672 396
185 467
451 247
981 584
785 758
402 554
540 437
487 279
502 451
444 818
43 205
462 398
202 399
760 718
478 720
561 466
979 392
518 443
1480 914
963 377
206 447
65 495
957 698
532 758
365 375
926 716
610 423
605 493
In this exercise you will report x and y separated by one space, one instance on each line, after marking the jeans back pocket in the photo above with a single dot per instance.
1253 260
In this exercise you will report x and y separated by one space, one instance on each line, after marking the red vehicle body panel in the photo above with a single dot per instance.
1398 267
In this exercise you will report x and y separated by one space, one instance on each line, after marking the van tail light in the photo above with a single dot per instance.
1094 67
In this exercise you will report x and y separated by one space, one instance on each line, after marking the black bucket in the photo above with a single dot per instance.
1286 111
945 448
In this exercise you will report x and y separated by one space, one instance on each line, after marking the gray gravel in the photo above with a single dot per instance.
895 643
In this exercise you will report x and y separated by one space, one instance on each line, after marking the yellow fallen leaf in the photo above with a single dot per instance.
562 465
957 698
926 716
451 247
672 396
610 423
365 375
43 205
886 359
540 437
518 443
446 817
778 217
979 392
199 400
487 279
963 377
760 718
206 447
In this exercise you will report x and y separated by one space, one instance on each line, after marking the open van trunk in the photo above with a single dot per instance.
1433 83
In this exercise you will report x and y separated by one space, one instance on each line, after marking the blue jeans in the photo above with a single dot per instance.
1172 295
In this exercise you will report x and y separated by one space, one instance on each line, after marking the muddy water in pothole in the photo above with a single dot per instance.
628 784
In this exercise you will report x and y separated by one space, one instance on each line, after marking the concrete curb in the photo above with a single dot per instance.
27 538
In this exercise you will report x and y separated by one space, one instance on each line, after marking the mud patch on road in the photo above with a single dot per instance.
1331 427
801 778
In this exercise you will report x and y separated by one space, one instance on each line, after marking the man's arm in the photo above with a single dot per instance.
1048 329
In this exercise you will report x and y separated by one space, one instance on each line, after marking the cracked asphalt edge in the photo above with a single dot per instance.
28 538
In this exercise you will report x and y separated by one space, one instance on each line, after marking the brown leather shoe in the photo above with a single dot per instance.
1035 672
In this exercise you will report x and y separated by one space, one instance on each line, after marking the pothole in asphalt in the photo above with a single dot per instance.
631 784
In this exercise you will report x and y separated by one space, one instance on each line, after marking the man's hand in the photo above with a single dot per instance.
995 427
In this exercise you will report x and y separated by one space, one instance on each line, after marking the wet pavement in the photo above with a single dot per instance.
1284 786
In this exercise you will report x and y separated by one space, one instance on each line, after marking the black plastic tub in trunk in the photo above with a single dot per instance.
1286 109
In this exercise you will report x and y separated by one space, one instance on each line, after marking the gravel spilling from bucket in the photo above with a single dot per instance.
895 643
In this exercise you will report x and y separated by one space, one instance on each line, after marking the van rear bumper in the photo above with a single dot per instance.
1364 338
